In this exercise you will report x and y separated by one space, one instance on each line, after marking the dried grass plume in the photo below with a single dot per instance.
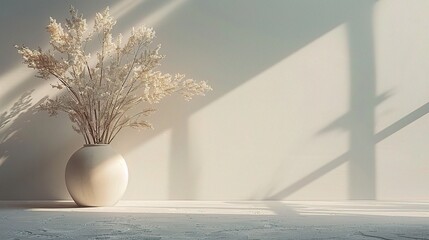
99 97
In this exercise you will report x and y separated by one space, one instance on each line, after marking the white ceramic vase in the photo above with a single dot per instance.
96 175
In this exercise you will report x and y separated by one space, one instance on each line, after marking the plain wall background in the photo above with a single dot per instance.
314 100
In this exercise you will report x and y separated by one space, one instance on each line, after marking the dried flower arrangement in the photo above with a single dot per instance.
99 96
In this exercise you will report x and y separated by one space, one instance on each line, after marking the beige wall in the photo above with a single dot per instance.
317 100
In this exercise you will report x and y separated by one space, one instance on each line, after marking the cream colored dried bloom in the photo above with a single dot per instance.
100 97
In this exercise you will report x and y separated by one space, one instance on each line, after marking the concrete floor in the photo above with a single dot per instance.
216 220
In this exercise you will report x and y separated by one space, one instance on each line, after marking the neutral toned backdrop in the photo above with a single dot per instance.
315 100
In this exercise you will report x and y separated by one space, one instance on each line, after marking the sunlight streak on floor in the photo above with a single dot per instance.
165 207
254 208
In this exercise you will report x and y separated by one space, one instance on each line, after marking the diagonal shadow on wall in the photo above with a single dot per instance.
360 120
344 158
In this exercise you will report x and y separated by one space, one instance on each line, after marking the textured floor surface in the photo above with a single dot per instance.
216 220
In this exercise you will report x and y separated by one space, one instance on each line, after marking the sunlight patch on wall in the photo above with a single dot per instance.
401 42
161 14
122 8
271 126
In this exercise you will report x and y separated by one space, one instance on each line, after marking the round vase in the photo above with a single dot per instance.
96 175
